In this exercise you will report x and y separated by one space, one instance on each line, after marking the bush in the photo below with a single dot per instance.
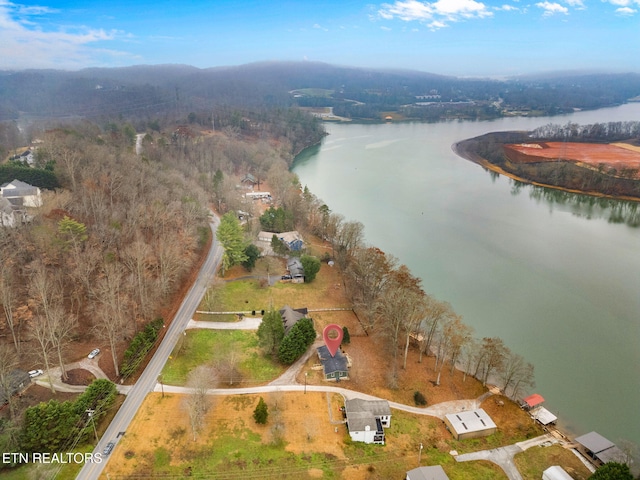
346 338
261 413
140 346
419 399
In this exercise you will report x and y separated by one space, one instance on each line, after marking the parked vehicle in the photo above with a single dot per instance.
94 353
35 373
286 277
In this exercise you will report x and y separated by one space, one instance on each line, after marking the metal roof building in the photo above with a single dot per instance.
470 424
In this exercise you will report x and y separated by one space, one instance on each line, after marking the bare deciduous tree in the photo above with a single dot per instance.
8 364
198 402
8 298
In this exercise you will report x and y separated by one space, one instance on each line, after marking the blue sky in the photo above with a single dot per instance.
454 37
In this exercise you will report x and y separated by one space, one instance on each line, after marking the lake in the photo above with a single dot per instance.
555 276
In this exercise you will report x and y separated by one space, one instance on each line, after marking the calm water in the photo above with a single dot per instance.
552 275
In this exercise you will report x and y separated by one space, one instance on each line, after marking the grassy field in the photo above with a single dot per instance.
298 441
536 460
214 347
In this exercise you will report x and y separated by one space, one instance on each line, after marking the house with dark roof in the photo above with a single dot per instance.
249 180
334 367
599 450
296 270
435 472
367 419
291 316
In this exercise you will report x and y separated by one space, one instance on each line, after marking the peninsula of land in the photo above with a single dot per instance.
589 167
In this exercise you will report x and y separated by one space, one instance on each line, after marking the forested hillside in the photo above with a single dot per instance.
144 92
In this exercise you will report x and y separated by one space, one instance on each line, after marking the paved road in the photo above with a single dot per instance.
148 379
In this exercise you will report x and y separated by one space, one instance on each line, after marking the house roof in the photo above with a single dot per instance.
594 442
602 448
337 363
290 236
294 265
290 316
556 473
365 413
533 400
17 188
377 408
249 178
434 472
470 421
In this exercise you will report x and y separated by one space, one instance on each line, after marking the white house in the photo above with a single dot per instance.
21 194
366 419
7 214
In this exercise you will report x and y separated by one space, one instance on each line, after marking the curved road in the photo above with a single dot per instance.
149 377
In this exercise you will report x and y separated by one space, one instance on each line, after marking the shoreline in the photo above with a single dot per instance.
483 162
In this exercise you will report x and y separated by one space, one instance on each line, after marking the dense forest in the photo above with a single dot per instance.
144 92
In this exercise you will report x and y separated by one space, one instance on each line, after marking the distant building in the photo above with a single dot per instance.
21 194
296 270
435 472
291 316
470 424
366 419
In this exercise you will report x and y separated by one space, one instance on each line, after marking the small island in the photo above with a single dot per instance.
600 159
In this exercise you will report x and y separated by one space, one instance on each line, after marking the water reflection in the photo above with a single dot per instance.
583 206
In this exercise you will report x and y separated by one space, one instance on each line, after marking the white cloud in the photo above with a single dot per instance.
552 8
434 14
625 11
579 4
25 44
507 8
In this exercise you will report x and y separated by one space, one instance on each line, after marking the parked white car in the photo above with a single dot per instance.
94 353
35 373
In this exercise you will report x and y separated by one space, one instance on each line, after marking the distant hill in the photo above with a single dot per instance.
151 90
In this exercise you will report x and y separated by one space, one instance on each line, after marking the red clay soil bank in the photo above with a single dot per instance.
593 154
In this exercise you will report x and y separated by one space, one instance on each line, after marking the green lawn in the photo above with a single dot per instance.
201 347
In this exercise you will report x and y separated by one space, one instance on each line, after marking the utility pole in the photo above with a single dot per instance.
419 454
90 413
305 382
161 384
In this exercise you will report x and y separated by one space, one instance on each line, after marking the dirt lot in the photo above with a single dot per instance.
618 156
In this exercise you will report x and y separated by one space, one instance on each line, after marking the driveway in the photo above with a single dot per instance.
503 456
247 323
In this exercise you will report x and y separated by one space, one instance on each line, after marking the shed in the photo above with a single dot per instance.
435 472
555 473
470 424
